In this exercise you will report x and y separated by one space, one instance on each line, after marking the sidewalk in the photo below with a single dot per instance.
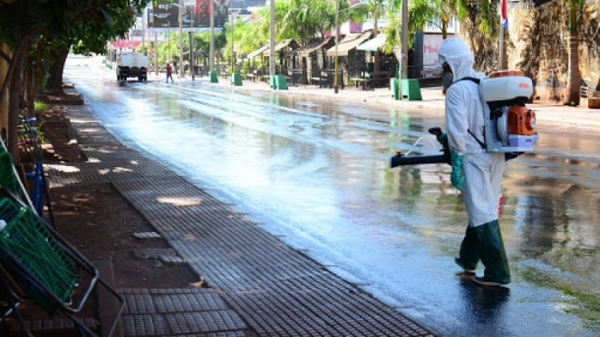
432 101
257 284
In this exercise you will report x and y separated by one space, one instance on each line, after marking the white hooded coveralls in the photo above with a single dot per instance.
464 111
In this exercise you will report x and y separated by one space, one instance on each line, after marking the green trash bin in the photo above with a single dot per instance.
273 81
236 79
395 87
411 90
213 77
281 82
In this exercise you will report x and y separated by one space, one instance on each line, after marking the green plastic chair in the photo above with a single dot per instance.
41 267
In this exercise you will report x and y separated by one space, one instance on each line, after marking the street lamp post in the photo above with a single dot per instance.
236 79
211 56
232 24
337 39
155 52
404 39
191 45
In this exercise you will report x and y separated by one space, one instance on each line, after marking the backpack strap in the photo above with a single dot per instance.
476 81
482 144
472 79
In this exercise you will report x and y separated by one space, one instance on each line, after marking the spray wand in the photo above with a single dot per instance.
401 159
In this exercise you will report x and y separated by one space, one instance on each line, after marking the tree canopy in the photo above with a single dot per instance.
36 33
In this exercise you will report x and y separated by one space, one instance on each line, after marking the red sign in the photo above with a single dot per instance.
125 44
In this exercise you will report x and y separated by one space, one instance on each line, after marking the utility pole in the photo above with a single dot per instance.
181 39
232 53
404 39
155 52
192 70
272 42
501 47
144 32
211 56
212 74
502 59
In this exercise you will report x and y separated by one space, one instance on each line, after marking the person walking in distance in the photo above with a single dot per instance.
169 73
477 173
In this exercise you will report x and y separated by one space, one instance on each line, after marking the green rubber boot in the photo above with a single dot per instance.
493 255
468 255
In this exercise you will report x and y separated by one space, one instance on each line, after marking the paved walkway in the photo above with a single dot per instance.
257 283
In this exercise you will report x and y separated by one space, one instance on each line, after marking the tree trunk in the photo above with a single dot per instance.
574 73
444 29
4 74
30 89
574 80
377 55
14 101
55 81
12 85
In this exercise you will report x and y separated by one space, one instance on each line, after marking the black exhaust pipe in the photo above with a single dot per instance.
400 159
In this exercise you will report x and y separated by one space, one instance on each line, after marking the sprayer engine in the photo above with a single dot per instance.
509 124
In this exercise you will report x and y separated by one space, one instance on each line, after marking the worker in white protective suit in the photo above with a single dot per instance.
477 173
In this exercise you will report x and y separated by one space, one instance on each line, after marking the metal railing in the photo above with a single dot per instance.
587 92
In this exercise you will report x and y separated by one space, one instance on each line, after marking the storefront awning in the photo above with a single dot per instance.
312 46
258 52
373 44
283 44
349 42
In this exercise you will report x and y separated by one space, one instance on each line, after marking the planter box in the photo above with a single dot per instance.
593 103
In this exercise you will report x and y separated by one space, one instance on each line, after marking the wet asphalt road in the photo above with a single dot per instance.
317 172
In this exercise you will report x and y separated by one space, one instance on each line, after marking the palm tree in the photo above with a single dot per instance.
434 12
574 73
300 19
543 55
479 23
590 38
420 13
371 9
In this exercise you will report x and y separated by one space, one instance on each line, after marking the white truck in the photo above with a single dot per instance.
132 65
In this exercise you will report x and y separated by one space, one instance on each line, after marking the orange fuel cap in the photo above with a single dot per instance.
508 72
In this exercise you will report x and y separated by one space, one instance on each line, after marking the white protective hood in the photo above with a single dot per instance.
459 57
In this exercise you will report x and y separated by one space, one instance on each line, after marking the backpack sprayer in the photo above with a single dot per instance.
509 126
